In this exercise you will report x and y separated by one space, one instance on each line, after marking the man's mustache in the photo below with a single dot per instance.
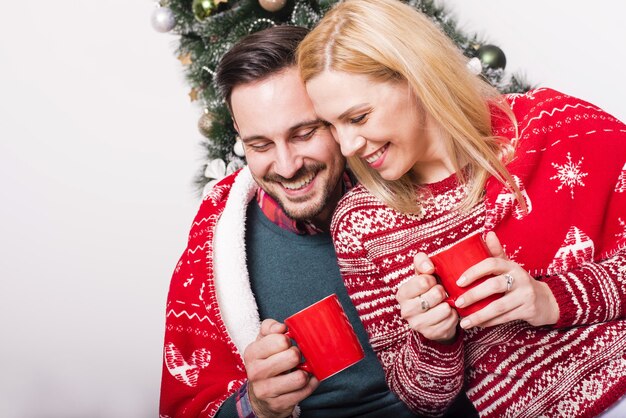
304 172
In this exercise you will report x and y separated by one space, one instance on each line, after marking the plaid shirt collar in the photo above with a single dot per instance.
276 214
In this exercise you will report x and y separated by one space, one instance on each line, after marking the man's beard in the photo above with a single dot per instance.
305 212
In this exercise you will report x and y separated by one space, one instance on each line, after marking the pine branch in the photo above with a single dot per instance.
206 41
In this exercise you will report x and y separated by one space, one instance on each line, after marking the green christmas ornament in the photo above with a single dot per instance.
492 57
203 8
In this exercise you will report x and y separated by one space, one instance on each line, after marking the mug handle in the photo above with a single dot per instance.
304 365
450 302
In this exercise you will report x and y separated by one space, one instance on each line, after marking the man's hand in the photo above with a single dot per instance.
275 386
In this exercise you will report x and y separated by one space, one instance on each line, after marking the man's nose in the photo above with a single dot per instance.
288 161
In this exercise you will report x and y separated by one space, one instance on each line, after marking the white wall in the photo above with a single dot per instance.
98 146
574 46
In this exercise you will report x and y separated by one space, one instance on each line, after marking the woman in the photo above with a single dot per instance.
441 156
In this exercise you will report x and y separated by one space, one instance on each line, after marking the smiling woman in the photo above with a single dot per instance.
383 124
441 157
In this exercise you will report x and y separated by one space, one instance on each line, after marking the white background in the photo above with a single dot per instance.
98 147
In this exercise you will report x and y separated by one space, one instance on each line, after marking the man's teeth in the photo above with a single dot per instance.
300 183
376 156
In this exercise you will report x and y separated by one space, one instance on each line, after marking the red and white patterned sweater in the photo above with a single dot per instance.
570 166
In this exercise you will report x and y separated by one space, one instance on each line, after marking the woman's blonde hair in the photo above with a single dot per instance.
387 40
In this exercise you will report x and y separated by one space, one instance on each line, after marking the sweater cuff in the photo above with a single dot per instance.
434 353
589 294
244 407
568 311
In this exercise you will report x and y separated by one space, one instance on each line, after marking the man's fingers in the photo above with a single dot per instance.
271 326
278 396
284 385
266 348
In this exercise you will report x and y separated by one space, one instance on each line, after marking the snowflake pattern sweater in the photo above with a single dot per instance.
570 166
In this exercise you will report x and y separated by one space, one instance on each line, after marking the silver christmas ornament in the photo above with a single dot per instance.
475 66
163 19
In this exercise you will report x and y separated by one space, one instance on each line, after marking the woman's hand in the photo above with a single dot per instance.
422 303
524 297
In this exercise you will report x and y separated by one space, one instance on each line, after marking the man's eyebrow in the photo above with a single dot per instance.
252 138
291 129
307 123
352 109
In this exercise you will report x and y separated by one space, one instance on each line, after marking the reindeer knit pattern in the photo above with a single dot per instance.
570 166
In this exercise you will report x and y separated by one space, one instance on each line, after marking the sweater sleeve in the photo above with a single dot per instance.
424 374
570 165
572 157
591 293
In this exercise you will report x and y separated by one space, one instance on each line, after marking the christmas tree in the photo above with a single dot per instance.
208 28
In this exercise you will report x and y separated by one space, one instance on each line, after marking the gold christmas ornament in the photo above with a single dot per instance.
204 123
193 94
203 8
272 5
185 59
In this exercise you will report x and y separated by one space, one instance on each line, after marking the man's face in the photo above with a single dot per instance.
291 154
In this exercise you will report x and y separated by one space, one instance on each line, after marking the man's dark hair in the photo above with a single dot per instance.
257 56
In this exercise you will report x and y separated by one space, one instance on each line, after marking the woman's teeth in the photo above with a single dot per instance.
376 156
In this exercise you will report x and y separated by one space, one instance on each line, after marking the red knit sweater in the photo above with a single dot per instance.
570 165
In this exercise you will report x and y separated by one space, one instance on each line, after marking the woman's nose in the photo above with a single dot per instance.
350 142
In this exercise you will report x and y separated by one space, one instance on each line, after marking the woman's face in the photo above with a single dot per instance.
380 122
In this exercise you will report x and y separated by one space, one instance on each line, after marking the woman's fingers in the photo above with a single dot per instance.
491 286
415 286
422 264
495 248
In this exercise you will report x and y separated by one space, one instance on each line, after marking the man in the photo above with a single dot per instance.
259 249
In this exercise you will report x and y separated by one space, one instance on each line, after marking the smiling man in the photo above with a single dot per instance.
291 154
259 251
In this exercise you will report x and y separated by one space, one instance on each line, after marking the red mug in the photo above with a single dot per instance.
452 262
325 338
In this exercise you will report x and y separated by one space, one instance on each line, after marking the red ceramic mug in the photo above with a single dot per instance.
325 338
452 262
